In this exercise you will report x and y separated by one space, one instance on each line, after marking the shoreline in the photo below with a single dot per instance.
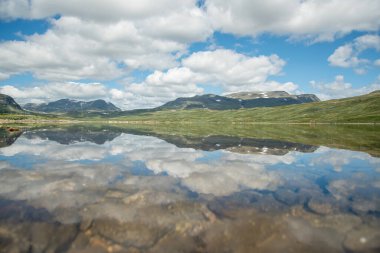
155 122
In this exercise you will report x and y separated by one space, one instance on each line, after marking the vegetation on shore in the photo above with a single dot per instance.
361 109
364 138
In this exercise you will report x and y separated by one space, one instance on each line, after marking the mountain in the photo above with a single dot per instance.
9 105
360 109
208 101
72 106
280 96
239 100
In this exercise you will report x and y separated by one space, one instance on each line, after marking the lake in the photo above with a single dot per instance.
129 189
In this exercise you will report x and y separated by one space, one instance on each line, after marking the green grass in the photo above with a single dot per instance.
32 117
362 109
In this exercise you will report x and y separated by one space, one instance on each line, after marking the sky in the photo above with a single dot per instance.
141 54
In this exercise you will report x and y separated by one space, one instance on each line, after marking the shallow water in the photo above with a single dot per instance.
106 190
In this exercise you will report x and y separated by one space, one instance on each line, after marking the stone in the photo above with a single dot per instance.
363 239
320 206
135 234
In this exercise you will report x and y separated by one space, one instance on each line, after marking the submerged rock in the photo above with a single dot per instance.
363 239
321 205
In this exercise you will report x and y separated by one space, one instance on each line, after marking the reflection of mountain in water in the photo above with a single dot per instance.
8 136
209 143
238 145
69 136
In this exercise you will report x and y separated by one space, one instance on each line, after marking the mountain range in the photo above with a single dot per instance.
208 101
238 101
68 105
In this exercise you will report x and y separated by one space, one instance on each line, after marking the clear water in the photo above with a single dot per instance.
109 191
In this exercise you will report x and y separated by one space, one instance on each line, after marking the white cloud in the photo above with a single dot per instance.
112 10
317 20
343 57
347 56
111 39
237 72
322 19
13 9
105 43
224 68
160 87
339 88
3 76
377 62
233 69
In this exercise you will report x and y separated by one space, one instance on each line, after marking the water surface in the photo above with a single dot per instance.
81 189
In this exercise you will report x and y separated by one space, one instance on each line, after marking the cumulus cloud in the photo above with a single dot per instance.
316 20
105 43
224 68
160 87
115 37
347 56
233 69
319 19
112 39
339 88
112 10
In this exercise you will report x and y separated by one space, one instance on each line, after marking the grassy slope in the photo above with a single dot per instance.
359 109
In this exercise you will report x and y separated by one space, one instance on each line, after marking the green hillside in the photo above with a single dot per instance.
9 105
361 109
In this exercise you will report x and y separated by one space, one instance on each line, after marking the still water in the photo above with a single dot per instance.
107 190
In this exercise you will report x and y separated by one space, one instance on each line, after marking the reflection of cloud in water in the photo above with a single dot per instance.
339 158
54 151
57 184
223 176
230 173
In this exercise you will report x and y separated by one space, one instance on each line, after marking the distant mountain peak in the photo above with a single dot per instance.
258 94
273 94
66 105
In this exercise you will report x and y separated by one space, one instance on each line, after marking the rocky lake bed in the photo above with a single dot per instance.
109 191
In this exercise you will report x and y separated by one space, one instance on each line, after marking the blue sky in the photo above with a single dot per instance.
143 54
